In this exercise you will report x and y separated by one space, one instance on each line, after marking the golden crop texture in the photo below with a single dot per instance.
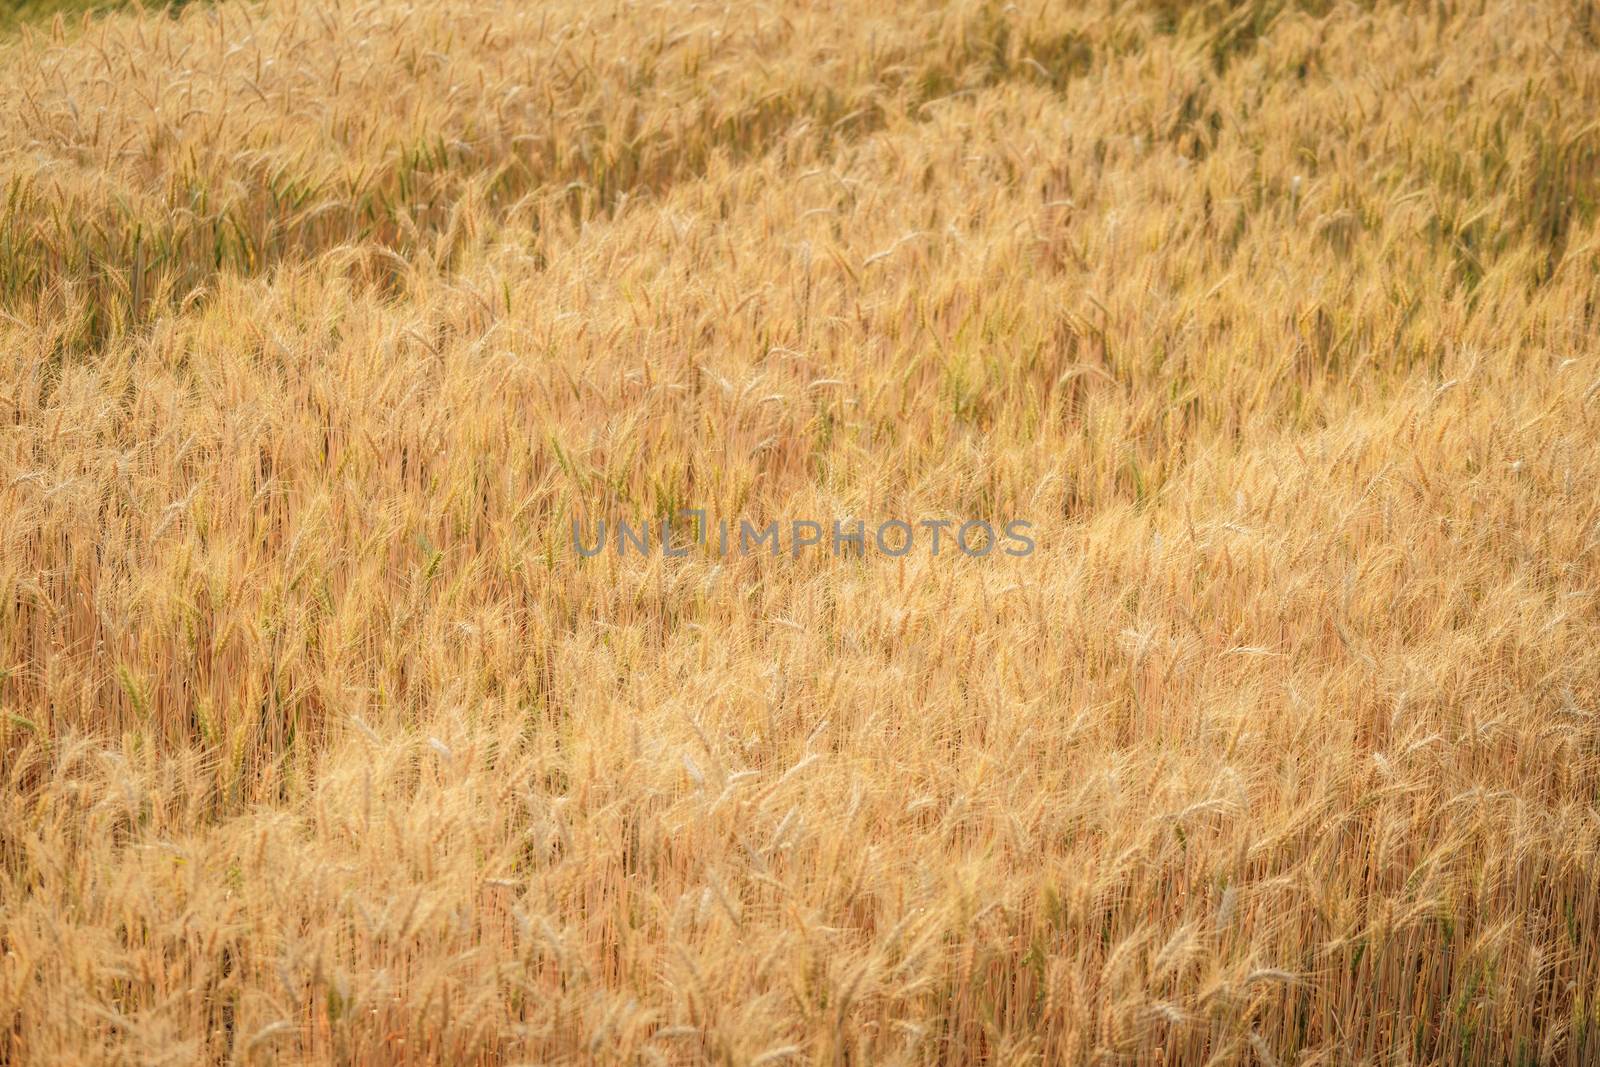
322 320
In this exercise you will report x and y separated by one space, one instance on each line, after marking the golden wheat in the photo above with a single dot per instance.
321 321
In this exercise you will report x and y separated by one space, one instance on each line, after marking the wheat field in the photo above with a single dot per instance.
323 321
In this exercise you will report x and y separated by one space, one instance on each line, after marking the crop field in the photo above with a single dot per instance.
1245 357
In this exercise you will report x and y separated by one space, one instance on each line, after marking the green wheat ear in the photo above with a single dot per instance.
208 726
134 692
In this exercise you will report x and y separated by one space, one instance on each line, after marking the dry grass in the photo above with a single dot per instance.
321 321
